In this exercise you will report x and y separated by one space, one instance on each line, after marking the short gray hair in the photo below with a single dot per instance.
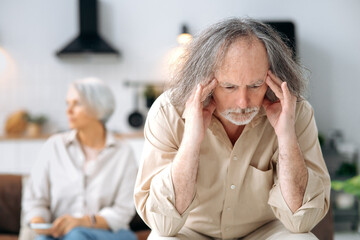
204 55
97 96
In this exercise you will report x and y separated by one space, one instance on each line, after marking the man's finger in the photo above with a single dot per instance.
192 95
198 93
276 80
288 97
208 88
211 106
274 87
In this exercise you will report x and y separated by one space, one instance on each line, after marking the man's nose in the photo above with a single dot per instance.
242 100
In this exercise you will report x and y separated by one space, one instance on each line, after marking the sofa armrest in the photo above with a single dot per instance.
10 203
324 230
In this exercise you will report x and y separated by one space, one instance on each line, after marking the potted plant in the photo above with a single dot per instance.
35 124
351 186
345 185
150 95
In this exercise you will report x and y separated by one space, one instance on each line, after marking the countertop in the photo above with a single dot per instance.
138 134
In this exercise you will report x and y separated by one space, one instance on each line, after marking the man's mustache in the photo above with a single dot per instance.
241 110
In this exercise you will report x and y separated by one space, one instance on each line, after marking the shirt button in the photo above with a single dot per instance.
226 229
235 158
232 186
228 209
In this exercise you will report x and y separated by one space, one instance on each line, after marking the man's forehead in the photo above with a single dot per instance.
244 63
241 79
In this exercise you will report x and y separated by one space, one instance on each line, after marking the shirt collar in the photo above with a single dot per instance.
109 141
71 137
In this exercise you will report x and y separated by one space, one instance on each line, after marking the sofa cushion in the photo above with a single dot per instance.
137 224
10 203
8 237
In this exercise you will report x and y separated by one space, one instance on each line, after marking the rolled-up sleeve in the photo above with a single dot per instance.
154 191
317 193
162 214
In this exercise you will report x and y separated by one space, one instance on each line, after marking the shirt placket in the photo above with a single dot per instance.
82 184
80 160
89 178
231 192
238 163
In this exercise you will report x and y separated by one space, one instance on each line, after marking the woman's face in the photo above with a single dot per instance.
79 116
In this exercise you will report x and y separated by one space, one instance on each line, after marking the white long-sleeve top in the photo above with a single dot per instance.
60 185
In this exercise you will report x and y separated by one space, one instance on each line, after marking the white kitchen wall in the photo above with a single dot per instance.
145 31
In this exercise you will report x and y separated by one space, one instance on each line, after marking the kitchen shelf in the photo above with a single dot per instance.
137 134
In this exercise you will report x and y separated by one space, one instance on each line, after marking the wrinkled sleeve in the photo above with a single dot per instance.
36 200
154 191
316 197
119 215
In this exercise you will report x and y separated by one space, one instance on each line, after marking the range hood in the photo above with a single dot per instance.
88 40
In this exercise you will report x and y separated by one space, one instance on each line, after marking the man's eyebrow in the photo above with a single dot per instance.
258 82
226 83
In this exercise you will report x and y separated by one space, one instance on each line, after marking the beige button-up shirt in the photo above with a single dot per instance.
237 188
59 184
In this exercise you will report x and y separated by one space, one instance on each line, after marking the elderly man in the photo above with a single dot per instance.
232 147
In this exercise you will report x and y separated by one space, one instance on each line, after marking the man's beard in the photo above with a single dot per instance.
240 116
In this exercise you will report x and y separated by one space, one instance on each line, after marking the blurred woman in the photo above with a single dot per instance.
83 180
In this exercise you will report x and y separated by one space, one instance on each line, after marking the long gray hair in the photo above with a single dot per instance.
205 53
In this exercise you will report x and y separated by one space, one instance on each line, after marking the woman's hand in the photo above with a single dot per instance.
65 224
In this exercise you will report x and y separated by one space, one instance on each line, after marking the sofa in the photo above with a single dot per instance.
10 212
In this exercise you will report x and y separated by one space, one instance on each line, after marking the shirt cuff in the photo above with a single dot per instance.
163 196
113 220
311 211
38 212
313 196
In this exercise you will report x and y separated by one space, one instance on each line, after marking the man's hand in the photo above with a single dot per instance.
198 117
281 114
186 162
65 224
292 170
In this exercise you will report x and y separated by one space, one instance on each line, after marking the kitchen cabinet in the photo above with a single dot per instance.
17 156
